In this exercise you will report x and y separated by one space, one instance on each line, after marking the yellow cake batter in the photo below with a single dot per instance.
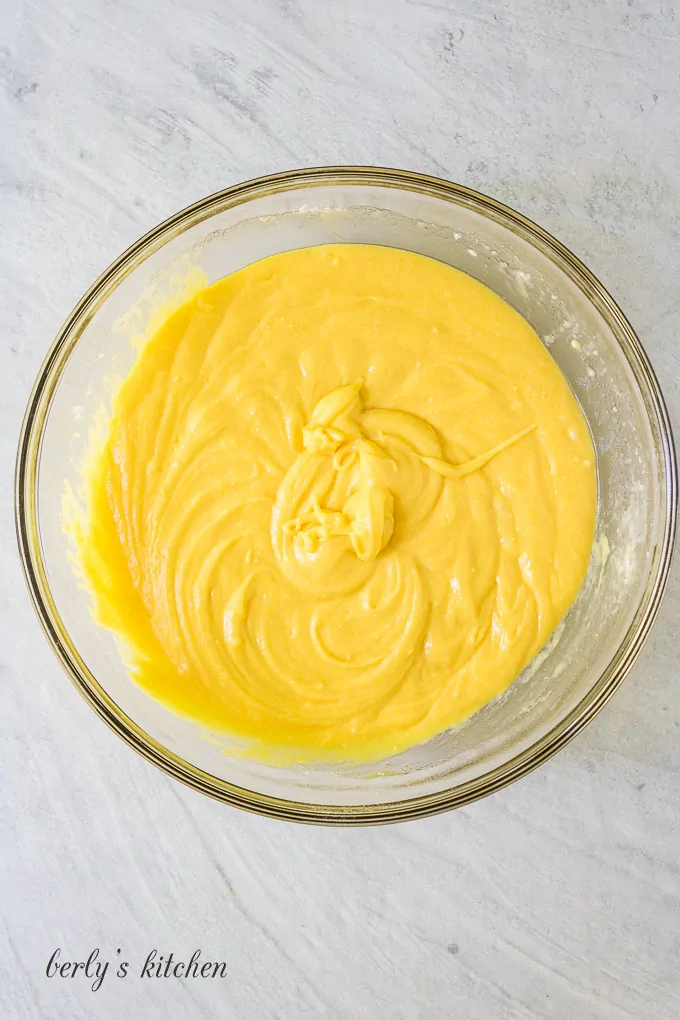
345 498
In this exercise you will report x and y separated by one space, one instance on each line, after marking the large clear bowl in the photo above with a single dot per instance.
592 343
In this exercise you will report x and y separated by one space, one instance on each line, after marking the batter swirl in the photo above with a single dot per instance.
345 498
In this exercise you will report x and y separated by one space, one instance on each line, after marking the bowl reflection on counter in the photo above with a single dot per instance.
594 345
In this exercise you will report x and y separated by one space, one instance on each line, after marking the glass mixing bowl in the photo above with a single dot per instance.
594 345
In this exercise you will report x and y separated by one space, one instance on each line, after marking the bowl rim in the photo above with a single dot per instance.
30 551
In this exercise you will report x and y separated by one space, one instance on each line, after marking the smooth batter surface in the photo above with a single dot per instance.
346 497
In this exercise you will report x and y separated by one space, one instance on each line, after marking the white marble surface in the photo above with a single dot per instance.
559 897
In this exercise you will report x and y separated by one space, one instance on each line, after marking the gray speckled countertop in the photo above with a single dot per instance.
559 897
